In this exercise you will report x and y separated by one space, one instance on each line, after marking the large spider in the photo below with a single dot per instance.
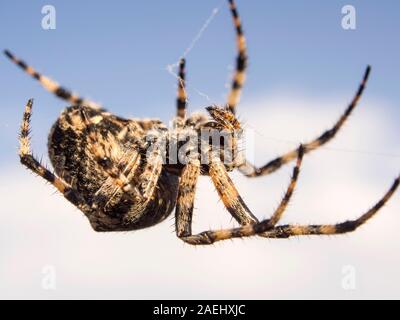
115 174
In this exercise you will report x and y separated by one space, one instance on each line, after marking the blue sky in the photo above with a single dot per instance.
303 70
116 53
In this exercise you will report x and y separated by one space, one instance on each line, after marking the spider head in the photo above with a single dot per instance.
224 118
222 133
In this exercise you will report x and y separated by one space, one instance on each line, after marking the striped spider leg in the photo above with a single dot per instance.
250 226
29 161
251 171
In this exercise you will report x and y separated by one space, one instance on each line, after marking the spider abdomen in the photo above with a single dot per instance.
86 146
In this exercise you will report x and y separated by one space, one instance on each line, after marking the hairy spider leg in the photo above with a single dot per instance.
185 202
241 61
51 85
28 160
251 171
181 100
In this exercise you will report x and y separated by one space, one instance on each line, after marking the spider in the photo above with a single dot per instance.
108 167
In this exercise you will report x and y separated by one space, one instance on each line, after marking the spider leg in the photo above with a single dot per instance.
250 225
145 185
234 202
263 228
289 192
181 100
241 61
286 231
51 85
185 200
251 171
229 194
28 160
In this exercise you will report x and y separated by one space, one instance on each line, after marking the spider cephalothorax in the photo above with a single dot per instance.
127 174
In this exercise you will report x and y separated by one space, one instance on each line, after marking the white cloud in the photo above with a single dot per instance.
38 229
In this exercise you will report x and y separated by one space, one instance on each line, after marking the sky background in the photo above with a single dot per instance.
303 70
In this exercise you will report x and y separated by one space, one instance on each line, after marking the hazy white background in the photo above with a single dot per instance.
302 75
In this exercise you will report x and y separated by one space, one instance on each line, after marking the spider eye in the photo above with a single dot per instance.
105 162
